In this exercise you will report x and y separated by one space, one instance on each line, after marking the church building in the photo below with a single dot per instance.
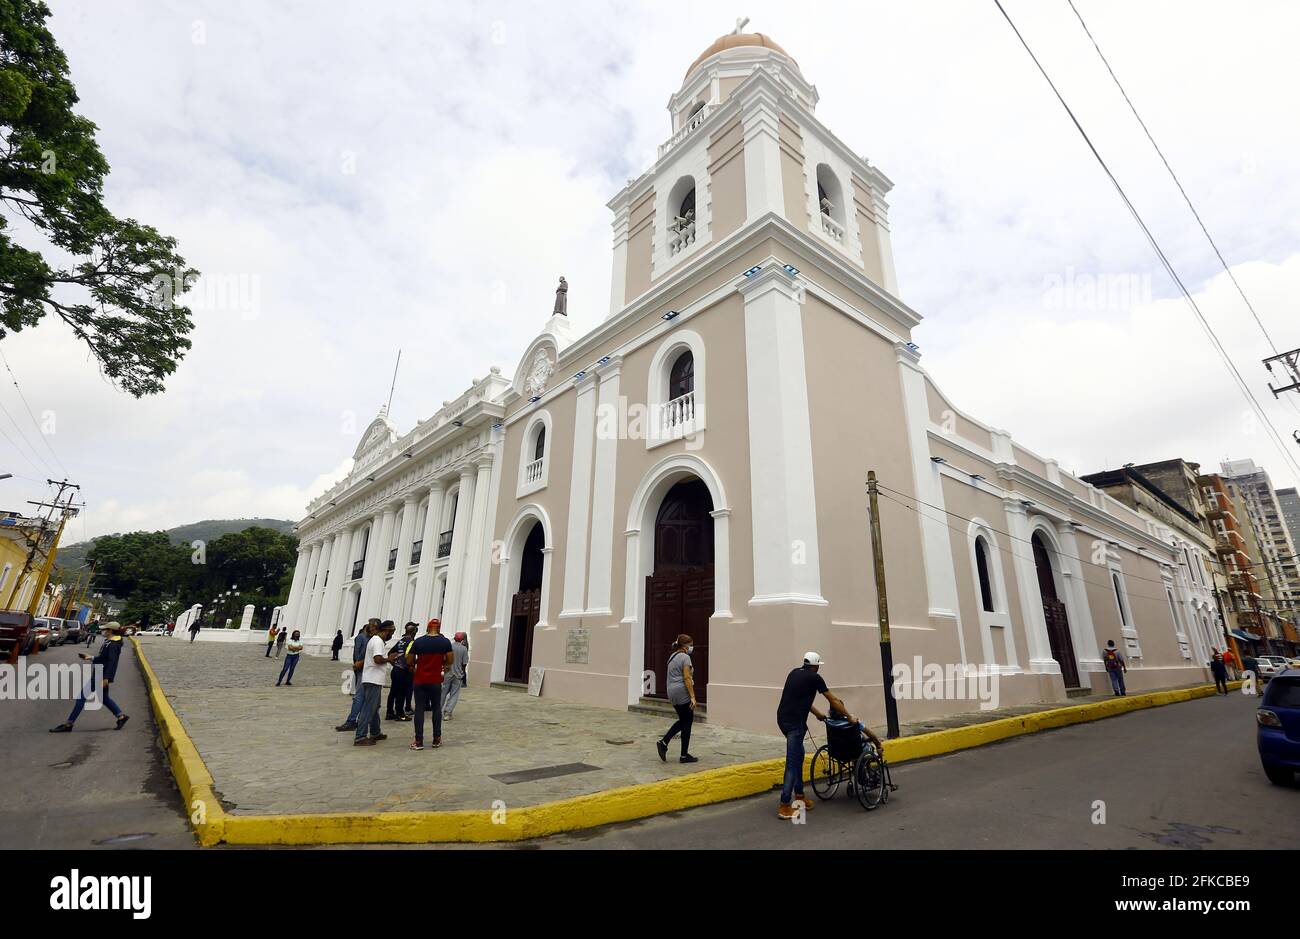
697 464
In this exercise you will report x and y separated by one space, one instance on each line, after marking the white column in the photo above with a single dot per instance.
318 594
459 536
423 608
575 543
936 537
477 555
308 587
1086 649
760 121
602 498
784 507
618 283
381 534
340 558
1031 601
296 591
402 573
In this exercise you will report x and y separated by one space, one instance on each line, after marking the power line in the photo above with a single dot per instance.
44 436
23 437
1155 245
1183 191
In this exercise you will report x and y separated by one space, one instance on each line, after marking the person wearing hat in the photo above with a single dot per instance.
802 686
107 658
455 679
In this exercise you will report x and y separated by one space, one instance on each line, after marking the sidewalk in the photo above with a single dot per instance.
268 767
275 751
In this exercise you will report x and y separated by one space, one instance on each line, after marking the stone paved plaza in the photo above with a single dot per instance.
274 750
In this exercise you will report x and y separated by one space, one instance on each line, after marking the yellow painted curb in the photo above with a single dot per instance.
213 825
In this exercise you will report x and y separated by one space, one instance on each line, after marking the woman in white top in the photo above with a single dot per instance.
681 695
293 648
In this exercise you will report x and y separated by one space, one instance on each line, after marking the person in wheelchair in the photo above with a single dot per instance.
802 686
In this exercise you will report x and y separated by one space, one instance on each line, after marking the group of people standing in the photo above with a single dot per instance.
427 674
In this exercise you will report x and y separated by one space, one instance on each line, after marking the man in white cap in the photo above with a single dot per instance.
802 686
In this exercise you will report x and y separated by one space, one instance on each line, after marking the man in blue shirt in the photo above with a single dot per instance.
358 663
107 658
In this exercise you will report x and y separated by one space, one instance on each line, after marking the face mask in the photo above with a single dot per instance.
690 649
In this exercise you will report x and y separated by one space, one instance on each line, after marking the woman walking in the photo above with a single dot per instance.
681 695
292 651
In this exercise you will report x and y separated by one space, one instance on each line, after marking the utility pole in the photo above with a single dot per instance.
882 603
68 511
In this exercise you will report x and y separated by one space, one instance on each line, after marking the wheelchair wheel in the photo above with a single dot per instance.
824 774
870 779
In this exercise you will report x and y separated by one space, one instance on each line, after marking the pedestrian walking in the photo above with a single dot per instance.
280 640
1220 672
1115 669
802 686
428 656
294 649
194 629
358 664
401 676
373 674
107 658
455 680
336 645
270 640
92 632
681 695
1230 662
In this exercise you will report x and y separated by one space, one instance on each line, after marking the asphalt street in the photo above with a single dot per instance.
1184 777
95 787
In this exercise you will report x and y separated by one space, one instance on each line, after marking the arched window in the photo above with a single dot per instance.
982 567
681 379
534 467
681 215
1119 600
539 447
830 203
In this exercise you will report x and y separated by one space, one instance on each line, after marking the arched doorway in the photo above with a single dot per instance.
1058 623
679 592
526 606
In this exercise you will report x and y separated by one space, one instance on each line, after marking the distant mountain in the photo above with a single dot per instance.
72 556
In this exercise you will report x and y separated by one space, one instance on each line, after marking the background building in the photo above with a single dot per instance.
1253 493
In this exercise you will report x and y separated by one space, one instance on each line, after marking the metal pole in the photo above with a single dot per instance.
882 602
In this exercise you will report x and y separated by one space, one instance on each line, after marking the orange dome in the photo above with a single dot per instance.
735 40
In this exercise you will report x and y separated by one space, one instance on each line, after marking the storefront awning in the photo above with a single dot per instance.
1244 636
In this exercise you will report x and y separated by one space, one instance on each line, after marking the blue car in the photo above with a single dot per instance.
1279 727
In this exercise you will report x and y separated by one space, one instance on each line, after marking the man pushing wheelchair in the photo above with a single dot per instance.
798 699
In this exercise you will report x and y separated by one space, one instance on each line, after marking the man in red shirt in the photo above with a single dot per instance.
427 657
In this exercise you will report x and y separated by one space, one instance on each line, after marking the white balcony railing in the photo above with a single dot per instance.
832 228
676 413
533 471
681 238
693 122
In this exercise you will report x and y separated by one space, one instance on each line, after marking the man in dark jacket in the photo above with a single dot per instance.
336 645
1220 672
107 658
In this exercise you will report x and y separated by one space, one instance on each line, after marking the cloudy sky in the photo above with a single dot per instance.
357 178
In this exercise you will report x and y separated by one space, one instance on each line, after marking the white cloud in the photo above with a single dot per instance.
486 139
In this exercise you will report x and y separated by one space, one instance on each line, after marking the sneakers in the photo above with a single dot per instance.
122 719
787 812
663 750
437 742
379 737
347 725
687 758
364 742
417 745
61 729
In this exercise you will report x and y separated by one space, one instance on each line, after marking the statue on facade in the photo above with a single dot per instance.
561 299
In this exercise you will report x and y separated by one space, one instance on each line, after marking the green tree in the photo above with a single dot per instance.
116 282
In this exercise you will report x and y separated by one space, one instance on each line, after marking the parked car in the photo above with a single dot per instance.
16 635
1293 661
1270 665
1278 736
72 631
40 634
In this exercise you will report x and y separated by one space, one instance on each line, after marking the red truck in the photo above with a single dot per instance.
17 635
